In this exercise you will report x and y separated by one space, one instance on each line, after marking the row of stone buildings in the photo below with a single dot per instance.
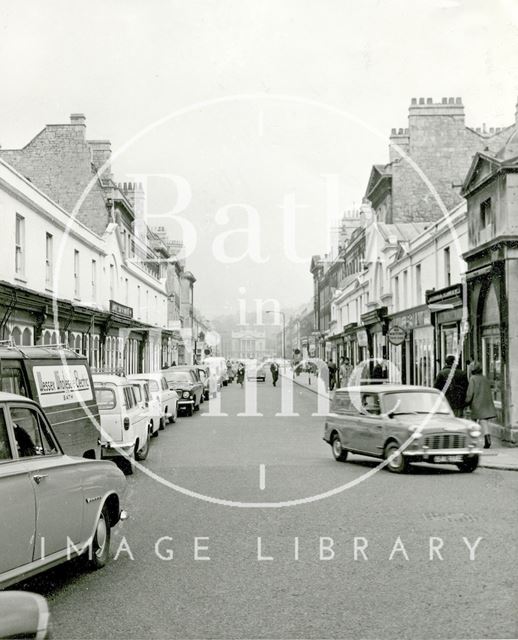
429 265
80 266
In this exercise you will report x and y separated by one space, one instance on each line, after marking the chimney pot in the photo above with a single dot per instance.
451 100
393 132
78 118
414 101
421 100
445 100
458 100
429 100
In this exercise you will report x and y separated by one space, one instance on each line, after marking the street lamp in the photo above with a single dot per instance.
283 331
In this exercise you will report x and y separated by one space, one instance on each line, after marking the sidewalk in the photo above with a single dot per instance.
500 457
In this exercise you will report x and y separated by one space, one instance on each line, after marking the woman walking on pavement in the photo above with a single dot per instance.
274 370
480 399
241 374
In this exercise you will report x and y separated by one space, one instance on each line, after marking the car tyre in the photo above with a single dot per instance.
162 423
468 464
154 434
174 415
399 464
101 541
197 407
339 453
189 410
141 454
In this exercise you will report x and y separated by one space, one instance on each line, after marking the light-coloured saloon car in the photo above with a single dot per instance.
159 390
50 501
403 424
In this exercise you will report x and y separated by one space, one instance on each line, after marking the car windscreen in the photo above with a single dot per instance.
179 376
105 398
414 402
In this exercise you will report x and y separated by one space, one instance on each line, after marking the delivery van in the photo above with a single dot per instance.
59 380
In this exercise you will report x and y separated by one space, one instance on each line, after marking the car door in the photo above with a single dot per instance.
56 481
369 435
18 500
197 387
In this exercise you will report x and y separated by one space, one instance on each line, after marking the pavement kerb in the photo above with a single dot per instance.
500 466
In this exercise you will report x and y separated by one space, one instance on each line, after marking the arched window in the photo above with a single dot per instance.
54 339
27 337
77 345
16 335
46 337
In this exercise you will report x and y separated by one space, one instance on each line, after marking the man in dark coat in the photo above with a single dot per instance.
455 391
274 370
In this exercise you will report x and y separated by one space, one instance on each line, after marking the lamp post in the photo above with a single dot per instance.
283 331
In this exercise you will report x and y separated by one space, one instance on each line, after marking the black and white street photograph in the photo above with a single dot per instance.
258 319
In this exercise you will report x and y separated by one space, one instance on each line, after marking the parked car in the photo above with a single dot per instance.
255 371
188 388
150 405
48 497
125 425
160 390
198 387
218 367
402 424
60 381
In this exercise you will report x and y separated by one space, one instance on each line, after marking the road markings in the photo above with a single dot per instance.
262 477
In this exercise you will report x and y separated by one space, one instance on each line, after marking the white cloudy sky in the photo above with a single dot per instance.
129 64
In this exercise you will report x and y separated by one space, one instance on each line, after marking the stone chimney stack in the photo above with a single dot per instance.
101 151
78 118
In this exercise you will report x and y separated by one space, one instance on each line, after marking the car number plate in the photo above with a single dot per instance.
447 459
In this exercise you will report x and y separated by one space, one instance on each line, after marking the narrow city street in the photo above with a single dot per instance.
299 589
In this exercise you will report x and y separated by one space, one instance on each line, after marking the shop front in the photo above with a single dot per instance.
448 315
375 325
411 347
492 337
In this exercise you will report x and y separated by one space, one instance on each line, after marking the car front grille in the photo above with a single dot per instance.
445 441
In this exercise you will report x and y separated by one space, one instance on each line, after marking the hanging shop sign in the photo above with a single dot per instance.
396 335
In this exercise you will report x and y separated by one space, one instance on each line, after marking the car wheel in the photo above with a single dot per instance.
101 541
197 407
202 398
154 434
162 424
398 464
141 454
468 464
174 416
339 453
189 410
225 382
126 466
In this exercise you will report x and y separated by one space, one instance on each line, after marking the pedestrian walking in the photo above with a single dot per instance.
331 367
455 390
345 371
480 400
377 373
274 370
241 374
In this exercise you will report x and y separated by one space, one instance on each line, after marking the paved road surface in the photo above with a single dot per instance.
235 595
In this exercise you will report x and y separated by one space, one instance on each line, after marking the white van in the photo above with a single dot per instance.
125 425
218 368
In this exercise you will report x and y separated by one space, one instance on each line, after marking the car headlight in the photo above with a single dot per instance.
185 394
476 433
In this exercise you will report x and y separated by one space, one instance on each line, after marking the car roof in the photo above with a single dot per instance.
39 352
152 375
388 388
110 377
12 397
